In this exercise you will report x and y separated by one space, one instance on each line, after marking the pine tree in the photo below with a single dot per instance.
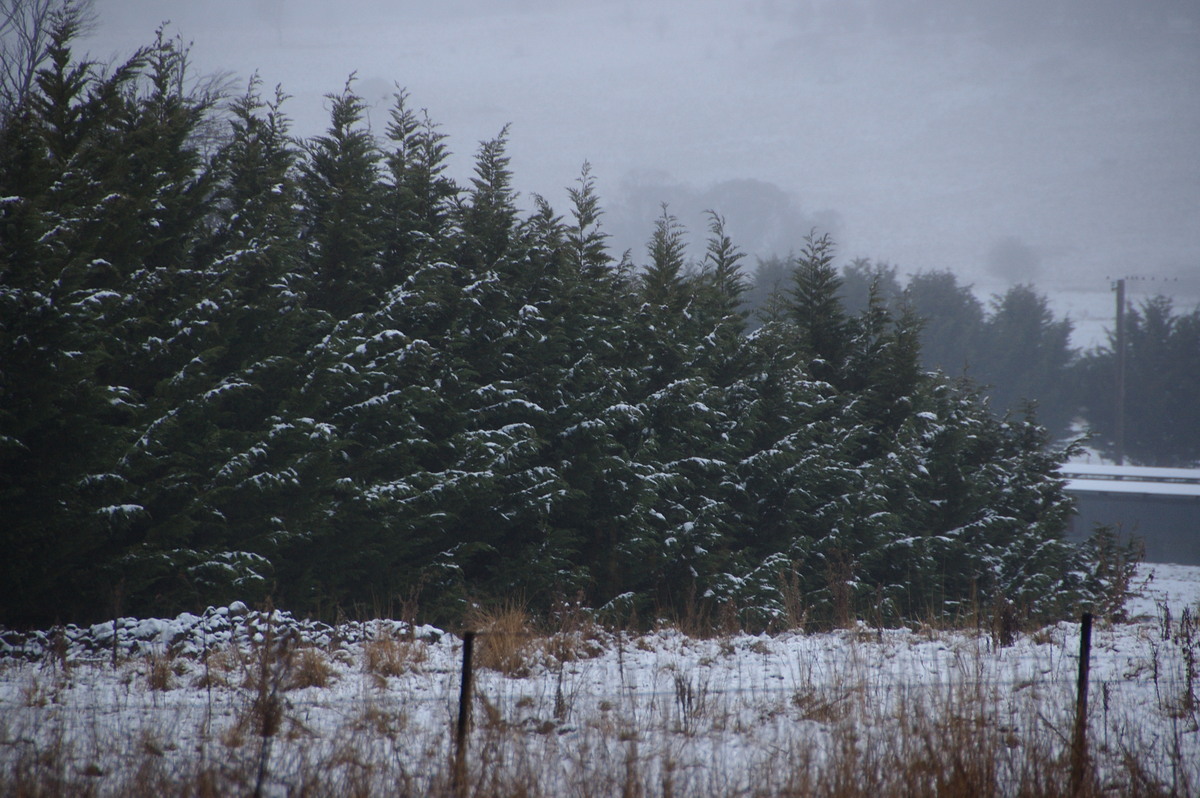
420 198
325 372
585 240
166 330
882 365
792 478
597 427
490 213
663 279
817 312
952 321
55 418
342 211
120 198
1025 355
720 291
204 462
1161 366
61 500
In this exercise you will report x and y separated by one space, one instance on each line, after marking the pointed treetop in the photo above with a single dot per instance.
662 281
585 238
721 262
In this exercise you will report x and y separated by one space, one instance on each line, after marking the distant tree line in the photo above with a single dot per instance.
239 364
1019 352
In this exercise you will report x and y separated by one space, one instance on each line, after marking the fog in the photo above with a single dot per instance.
1044 141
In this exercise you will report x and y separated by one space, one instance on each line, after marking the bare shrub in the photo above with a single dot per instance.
1005 622
35 694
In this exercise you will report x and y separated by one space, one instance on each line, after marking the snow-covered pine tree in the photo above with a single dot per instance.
679 460
785 467
215 443
718 306
343 211
512 349
595 430
120 203
420 198
662 280
882 367
815 309
364 381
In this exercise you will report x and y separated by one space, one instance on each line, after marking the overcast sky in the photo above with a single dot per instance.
1056 141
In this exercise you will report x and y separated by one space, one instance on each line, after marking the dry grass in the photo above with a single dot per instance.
949 745
506 640
162 672
825 706
311 668
854 733
387 656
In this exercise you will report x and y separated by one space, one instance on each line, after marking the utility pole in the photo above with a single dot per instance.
1120 385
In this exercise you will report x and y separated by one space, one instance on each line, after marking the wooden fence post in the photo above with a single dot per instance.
1079 744
464 716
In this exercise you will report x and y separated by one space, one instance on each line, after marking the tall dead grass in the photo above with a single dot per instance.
853 735
506 640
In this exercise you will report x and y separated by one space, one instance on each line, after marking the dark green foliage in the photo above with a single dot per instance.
663 284
1018 353
204 456
490 212
1024 356
953 321
343 218
821 322
324 372
1162 383
883 364
861 279
585 239
419 198
61 500
107 198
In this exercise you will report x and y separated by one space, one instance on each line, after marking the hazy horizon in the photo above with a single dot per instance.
1018 141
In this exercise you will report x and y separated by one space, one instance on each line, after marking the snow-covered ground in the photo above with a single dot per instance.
588 712
1178 586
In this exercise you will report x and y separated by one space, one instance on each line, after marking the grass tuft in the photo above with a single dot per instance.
387 656
310 669
506 641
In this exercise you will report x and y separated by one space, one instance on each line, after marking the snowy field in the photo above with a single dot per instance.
1178 586
181 706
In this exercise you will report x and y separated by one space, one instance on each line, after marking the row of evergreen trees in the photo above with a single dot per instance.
323 371
1161 424
1019 351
